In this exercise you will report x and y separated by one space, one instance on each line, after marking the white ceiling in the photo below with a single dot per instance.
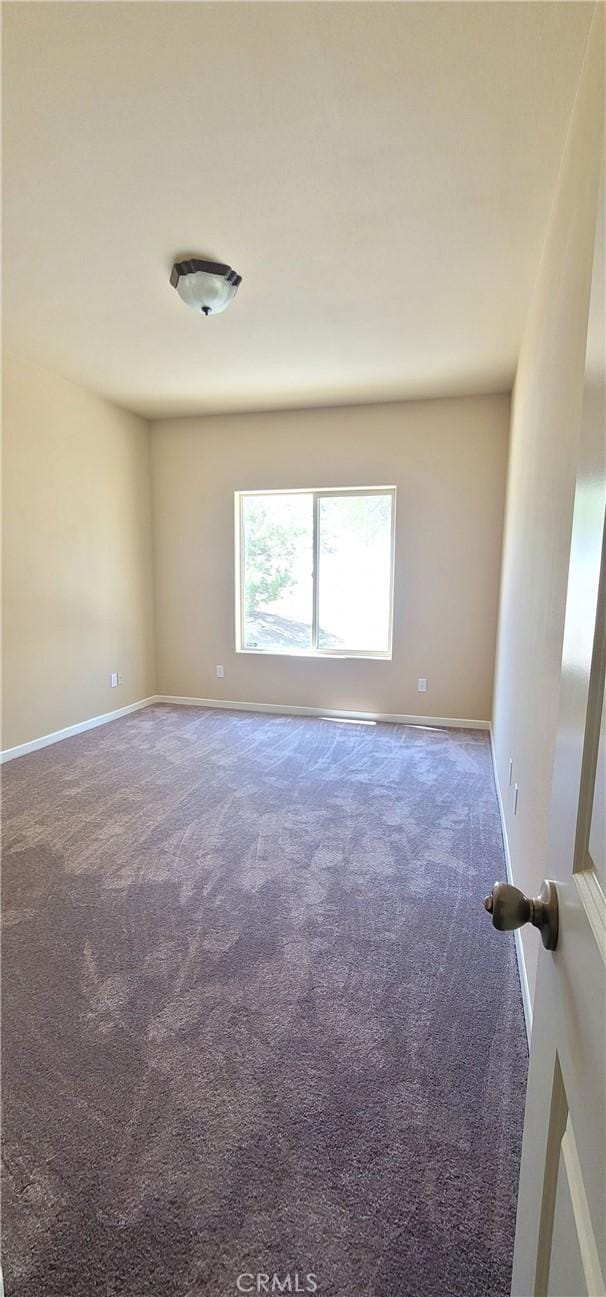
379 174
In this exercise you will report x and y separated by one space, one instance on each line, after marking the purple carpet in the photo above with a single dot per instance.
258 1031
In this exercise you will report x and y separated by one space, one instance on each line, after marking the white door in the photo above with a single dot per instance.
560 1248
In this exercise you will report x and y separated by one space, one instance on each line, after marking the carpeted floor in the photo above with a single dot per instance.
256 1019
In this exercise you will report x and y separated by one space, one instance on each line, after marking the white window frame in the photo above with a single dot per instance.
317 494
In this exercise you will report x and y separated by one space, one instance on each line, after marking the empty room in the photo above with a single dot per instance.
303 748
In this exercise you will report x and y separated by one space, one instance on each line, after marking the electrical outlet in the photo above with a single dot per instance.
422 685
515 799
510 771
114 679
220 673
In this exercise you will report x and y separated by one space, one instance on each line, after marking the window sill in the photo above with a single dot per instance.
318 654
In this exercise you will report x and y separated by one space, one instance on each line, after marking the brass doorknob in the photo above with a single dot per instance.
511 909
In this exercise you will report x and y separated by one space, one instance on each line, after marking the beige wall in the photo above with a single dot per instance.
546 420
448 461
77 582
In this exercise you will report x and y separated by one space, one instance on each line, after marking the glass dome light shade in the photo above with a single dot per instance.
206 286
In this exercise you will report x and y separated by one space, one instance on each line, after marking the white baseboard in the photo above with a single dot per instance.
526 1000
431 722
23 749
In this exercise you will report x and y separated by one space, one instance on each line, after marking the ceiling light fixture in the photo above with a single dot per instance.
206 286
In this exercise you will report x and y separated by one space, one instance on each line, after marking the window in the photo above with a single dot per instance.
315 571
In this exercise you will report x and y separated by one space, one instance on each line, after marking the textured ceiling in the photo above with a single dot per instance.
379 174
